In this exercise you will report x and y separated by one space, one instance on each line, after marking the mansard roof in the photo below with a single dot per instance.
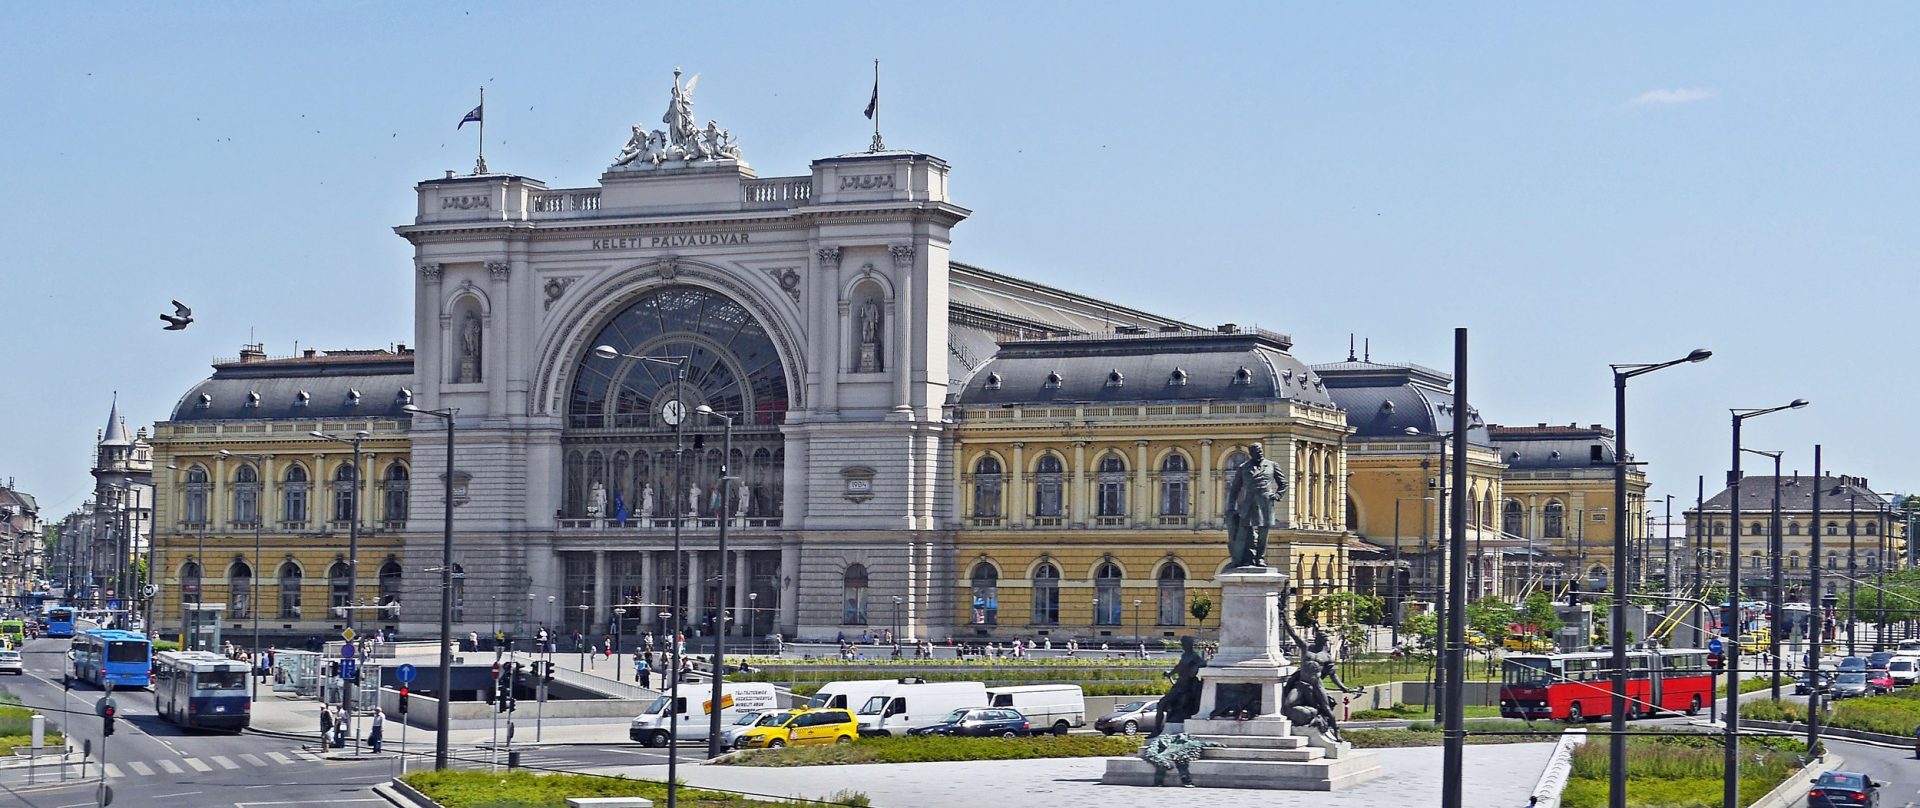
1385 399
1137 365
1544 447
316 384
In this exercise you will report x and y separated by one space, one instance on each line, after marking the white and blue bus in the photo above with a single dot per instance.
104 655
201 689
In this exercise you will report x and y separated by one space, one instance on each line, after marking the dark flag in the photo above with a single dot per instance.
472 117
873 105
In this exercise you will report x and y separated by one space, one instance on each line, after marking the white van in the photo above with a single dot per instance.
903 704
693 702
846 695
1047 707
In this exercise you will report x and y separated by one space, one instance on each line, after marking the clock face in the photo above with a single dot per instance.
673 412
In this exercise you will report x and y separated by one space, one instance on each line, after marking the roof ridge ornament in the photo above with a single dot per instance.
684 142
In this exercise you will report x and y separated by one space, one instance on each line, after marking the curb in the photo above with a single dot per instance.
1553 779
1794 789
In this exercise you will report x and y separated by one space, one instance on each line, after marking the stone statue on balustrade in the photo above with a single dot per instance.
646 501
693 500
682 140
1304 700
596 500
1256 488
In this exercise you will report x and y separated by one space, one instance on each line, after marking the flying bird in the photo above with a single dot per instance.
180 317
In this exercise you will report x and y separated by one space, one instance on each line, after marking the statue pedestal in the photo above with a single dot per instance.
1265 750
869 358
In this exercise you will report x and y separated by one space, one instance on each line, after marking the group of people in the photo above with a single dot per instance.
334 723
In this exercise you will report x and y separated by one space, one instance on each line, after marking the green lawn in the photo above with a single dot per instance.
1896 713
1751 685
923 750
16 726
1417 711
1426 733
1681 772
519 789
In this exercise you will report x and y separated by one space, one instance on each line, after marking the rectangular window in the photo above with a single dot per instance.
1046 603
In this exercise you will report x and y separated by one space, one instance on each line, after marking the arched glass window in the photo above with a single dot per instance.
1048 485
1873 529
985 581
1793 559
1719 528
1833 528
339 586
290 581
246 496
733 365
853 595
293 494
394 493
986 488
1046 594
1833 560
190 581
1793 528
197 489
343 493
1486 507
1176 486
1756 529
1756 560
1111 483
1173 594
390 578
1512 519
239 589
1107 609
1555 520
459 593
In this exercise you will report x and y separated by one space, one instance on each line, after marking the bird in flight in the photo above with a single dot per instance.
180 317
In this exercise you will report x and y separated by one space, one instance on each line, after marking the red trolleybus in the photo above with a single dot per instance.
1579 686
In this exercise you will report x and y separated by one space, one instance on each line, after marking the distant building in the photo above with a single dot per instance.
22 559
1861 532
283 503
1559 496
122 518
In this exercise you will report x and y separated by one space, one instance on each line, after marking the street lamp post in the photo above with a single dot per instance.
443 709
1395 596
753 618
353 523
1776 604
1138 638
1441 609
253 584
714 746
1730 619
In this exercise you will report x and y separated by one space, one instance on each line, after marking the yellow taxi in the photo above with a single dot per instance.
1754 642
1527 643
801 728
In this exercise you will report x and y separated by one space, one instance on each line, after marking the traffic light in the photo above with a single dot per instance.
503 699
403 699
546 676
1716 662
106 708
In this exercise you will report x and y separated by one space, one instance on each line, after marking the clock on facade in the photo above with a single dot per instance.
673 412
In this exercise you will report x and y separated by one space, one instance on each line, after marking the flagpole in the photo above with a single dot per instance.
878 145
480 162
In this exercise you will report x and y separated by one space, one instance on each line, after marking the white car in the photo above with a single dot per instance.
1903 670
10 663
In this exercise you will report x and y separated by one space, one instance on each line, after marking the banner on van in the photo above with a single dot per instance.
726 701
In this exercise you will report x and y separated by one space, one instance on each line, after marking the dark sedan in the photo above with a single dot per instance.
1844 790
979 722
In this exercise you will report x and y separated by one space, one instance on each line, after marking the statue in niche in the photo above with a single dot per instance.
646 501
693 500
744 504
869 321
470 347
596 500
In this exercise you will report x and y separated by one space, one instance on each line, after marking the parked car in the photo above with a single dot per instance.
979 722
1843 790
1879 659
1056 708
10 663
730 734
910 702
688 711
809 728
1849 684
1853 663
771 731
1131 718
1808 682
1880 681
1905 671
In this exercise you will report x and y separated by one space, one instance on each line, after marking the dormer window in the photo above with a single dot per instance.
353 398
1115 378
253 400
404 397
205 403
1386 406
1053 380
1553 455
302 398
1243 376
993 381
1178 378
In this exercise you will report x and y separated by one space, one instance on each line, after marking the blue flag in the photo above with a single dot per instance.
472 117
619 507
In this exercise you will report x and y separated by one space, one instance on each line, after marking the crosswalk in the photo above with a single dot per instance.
166 766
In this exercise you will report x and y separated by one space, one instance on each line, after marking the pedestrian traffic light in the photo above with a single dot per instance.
403 699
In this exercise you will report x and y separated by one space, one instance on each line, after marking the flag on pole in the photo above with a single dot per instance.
472 117
873 105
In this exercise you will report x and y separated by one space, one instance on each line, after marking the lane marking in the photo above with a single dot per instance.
170 766
251 760
280 758
141 769
114 771
225 762
198 766
307 756
181 794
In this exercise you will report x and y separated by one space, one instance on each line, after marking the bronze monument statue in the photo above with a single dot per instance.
1183 699
1303 699
1256 486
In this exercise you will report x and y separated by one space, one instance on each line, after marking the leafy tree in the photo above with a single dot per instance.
1490 616
1200 606
1424 628
1538 610
1362 609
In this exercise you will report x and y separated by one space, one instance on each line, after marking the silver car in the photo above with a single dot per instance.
730 734
1849 684
10 663
1131 718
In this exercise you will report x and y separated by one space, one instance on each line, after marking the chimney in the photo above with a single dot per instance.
1596 427
308 353
1229 328
253 352
1543 425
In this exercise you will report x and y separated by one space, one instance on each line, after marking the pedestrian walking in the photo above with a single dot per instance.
326 726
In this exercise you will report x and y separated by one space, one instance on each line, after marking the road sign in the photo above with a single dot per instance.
348 668
347 635
404 673
152 590
1714 646
347 651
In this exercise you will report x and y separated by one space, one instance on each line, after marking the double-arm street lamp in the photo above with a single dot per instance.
1617 748
1730 619
443 708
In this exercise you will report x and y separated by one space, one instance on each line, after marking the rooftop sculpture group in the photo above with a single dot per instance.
683 140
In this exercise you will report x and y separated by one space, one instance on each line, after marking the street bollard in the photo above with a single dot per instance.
513 759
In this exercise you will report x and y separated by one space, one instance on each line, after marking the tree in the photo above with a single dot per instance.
1490 616
1537 610
1423 628
1200 606
1360 609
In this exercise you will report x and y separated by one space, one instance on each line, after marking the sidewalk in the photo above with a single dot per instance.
1493 775
282 714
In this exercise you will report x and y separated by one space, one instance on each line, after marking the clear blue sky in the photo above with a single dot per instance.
1578 186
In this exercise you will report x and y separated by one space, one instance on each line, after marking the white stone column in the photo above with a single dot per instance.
902 356
601 578
741 570
497 352
428 353
696 589
827 329
788 588
648 590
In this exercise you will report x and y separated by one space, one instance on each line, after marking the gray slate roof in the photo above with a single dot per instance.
1537 448
116 433
1383 399
1144 368
1796 494
263 389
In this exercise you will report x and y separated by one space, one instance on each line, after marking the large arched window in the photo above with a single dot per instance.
986 488
293 495
1111 484
197 490
239 589
1486 507
1048 484
1046 594
343 493
394 493
1755 529
1173 594
339 586
1873 529
190 582
985 581
246 496
1176 486
1107 609
1793 528
390 582
290 580
1555 521
1512 518
853 595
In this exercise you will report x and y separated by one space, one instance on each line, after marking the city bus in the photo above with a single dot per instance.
15 632
60 621
1579 686
202 690
103 655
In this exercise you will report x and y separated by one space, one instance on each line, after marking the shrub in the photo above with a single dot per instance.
938 748
1681 771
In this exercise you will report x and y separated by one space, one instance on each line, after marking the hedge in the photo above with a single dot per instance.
937 748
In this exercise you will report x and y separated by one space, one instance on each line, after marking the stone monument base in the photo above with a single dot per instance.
1261 753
